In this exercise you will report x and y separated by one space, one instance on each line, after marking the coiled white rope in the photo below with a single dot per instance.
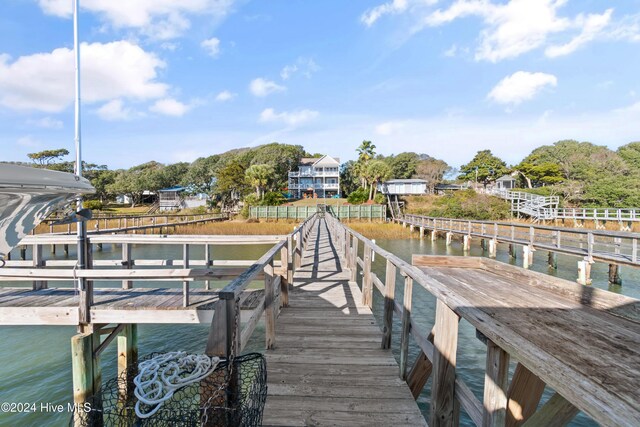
159 377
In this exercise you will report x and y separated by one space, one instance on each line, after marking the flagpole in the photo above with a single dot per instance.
81 225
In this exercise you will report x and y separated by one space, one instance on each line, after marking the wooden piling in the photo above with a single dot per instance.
466 243
495 386
527 256
389 296
449 236
493 248
127 358
86 375
584 272
614 274
553 260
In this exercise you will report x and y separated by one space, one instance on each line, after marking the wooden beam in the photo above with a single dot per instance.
444 410
419 374
103 345
496 381
557 412
524 395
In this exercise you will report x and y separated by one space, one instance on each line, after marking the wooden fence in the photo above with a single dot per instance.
372 212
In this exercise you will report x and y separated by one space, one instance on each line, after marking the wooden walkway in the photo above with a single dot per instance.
327 367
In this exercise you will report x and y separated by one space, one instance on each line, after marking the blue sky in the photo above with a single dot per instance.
172 81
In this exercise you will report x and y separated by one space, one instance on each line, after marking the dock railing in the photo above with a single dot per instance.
438 345
609 246
447 389
226 336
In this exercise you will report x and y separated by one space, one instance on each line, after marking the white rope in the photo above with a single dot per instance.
159 377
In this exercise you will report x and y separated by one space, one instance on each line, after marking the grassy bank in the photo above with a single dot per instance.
463 204
238 227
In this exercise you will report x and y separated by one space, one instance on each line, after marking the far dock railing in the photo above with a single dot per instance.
121 224
599 245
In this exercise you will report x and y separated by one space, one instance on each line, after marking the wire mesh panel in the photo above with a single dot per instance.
227 397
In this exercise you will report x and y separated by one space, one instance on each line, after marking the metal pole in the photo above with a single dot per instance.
82 227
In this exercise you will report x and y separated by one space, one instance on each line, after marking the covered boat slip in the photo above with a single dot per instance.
582 342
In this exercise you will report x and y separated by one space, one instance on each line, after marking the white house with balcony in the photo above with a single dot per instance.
316 177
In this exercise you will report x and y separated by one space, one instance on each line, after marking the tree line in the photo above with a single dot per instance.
582 173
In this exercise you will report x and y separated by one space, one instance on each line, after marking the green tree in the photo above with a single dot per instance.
282 158
484 166
230 183
349 180
630 153
45 157
377 171
259 177
403 165
201 174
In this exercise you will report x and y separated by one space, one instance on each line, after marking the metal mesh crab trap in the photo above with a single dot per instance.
230 395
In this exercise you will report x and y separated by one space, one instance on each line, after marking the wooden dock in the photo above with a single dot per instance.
327 367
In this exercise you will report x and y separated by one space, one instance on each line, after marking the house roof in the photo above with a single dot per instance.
308 161
174 188
506 178
406 181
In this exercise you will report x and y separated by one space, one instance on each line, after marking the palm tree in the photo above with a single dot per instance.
366 152
259 176
377 171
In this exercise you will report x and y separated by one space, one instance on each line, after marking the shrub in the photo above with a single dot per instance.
273 198
358 197
380 199
94 205
199 210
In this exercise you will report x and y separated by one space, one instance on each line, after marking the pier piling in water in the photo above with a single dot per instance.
584 272
553 260
493 248
614 274
466 243
527 256
449 235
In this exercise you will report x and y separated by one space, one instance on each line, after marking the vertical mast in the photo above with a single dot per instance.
81 225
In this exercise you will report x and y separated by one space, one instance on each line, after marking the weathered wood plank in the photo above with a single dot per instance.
495 386
443 406
524 395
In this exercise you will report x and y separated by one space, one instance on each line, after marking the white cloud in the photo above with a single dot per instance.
225 95
387 128
212 46
262 87
287 71
390 8
28 141
521 86
46 123
158 19
44 81
451 52
306 66
169 107
592 26
291 118
114 110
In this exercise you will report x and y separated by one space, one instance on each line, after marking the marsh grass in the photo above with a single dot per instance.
237 228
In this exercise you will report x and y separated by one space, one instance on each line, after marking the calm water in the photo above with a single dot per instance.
36 361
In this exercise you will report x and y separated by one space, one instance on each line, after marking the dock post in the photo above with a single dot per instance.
23 253
553 260
444 409
614 274
483 244
406 324
270 309
449 235
527 256
86 374
284 281
290 260
207 264
354 258
421 232
65 249
584 272
495 386
185 283
434 235
53 249
126 263
38 262
127 358
466 243
389 298
493 248
512 252
367 285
